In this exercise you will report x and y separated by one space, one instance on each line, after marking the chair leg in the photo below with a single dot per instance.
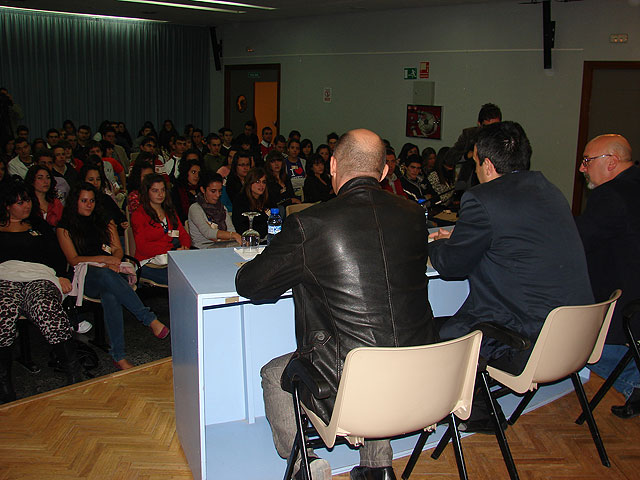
25 358
500 436
457 447
99 336
292 457
521 406
415 454
582 397
608 383
442 444
304 462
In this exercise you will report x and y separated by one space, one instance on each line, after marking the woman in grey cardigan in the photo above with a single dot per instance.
209 221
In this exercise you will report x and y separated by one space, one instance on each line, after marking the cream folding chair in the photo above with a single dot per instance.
571 338
628 314
385 392
297 207
130 251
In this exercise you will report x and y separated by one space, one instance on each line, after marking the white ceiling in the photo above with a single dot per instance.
285 8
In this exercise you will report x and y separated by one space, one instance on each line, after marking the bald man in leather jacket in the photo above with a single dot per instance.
357 266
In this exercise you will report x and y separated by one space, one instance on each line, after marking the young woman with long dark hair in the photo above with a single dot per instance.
279 185
34 288
42 187
254 197
156 227
317 185
86 234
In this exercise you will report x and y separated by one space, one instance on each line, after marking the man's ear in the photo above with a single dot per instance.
332 166
385 170
488 166
612 162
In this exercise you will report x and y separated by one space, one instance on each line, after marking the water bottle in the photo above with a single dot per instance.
274 225
423 203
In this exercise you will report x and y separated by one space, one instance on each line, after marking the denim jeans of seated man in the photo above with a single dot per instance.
628 379
278 405
115 292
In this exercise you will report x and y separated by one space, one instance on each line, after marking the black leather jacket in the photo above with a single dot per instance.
357 267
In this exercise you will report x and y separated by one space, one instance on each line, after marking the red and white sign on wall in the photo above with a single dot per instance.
424 69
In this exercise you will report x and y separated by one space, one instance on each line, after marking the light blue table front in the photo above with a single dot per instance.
219 343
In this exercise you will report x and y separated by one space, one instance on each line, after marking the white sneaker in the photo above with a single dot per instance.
84 327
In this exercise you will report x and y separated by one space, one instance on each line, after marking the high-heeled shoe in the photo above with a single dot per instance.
164 333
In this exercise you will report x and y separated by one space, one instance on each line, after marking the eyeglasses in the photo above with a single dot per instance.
587 160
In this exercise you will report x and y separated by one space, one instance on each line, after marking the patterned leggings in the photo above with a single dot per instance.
41 302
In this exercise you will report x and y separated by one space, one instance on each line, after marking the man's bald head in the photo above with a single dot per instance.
613 144
604 158
359 153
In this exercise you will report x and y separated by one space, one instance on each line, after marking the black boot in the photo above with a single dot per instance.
369 473
7 394
66 354
631 408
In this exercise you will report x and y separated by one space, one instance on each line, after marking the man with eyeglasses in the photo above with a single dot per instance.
610 231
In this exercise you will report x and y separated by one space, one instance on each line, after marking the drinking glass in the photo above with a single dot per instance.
250 237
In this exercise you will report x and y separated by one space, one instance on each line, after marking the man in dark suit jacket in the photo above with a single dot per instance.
610 231
517 243
357 267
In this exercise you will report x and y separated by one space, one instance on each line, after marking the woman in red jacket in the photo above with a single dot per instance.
156 228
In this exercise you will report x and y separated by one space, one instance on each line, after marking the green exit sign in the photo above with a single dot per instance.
410 73
253 75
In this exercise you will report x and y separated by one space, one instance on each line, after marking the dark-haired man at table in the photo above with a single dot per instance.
517 243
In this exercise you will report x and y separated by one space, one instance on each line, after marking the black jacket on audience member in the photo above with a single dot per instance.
315 190
241 223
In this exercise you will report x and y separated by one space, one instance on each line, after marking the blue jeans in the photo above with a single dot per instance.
628 379
158 275
115 292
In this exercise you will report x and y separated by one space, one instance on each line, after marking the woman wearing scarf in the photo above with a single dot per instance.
209 220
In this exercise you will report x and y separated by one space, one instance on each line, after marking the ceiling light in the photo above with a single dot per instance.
182 5
88 15
235 4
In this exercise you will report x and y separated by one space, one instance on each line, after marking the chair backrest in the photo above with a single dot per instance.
571 337
129 242
387 391
297 207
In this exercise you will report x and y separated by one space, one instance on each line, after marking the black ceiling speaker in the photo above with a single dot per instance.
217 48
548 32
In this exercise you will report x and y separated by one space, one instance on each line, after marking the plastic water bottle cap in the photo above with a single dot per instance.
275 211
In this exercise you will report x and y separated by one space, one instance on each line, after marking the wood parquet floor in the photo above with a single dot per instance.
125 429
